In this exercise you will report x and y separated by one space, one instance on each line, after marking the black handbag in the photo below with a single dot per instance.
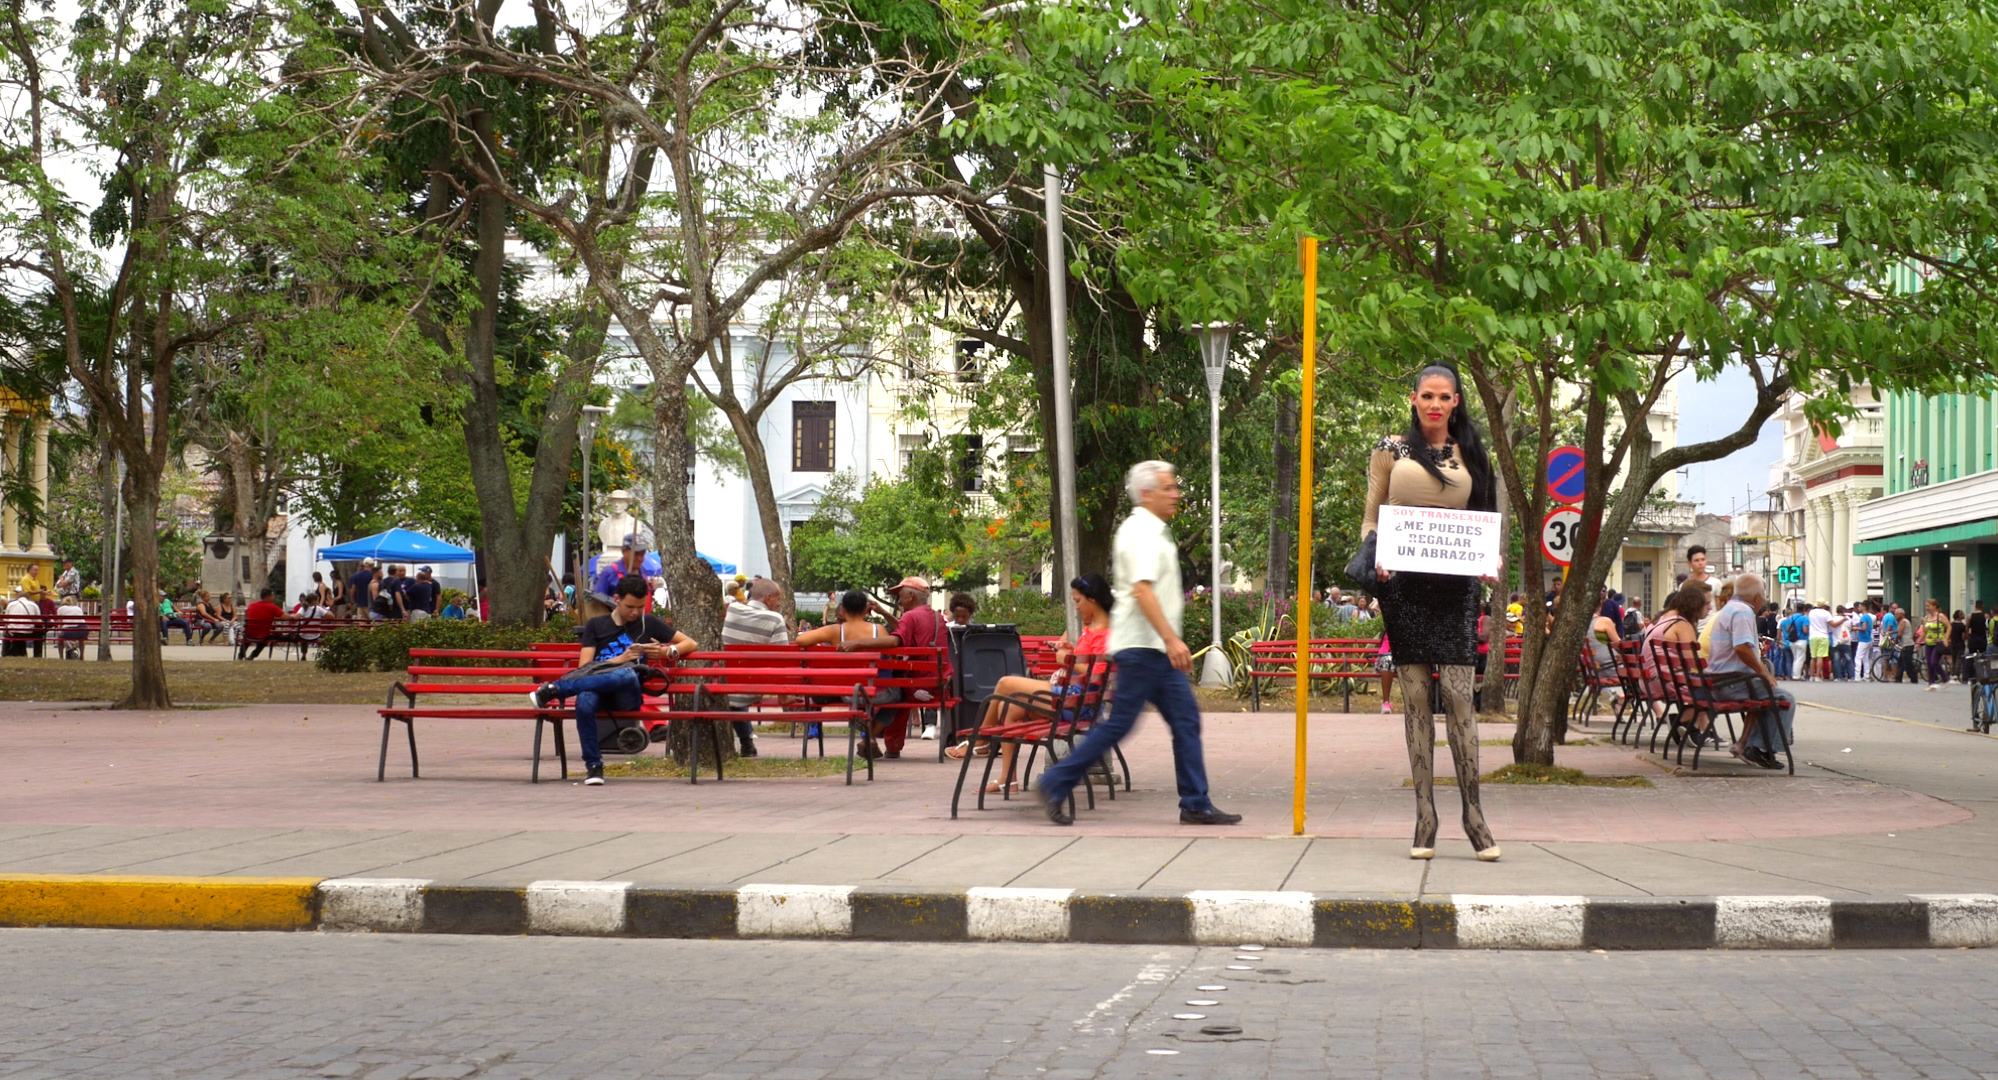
1361 566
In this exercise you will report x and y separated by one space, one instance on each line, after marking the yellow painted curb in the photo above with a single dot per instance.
157 903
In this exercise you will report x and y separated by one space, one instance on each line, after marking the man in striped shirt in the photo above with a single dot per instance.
753 622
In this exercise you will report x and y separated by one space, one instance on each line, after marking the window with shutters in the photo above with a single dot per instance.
811 436
971 466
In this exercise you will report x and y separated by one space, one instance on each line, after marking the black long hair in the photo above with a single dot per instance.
1471 448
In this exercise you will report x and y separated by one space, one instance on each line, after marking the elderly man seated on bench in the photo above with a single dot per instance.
613 646
1737 654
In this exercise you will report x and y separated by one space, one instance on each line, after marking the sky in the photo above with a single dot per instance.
1709 410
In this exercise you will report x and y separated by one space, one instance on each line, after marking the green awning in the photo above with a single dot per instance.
1948 534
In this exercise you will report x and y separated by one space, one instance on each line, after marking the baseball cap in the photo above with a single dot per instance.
423 570
912 582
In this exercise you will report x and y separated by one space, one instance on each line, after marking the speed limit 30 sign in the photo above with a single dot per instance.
1560 530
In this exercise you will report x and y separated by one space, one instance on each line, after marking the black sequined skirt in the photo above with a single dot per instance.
1431 618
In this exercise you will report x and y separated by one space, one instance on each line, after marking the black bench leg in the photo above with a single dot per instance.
849 749
534 770
720 730
381 766
409 728
694 752
561 750
963 771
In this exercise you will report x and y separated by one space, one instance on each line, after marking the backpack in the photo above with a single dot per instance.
384 603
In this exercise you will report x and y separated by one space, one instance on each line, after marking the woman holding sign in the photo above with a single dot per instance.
1439 462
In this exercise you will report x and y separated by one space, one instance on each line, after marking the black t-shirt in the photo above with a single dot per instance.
608 640
357 587
1979 630
420 595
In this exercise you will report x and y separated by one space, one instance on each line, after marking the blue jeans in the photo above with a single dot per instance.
614 691
1144 676
1785 712
1841 660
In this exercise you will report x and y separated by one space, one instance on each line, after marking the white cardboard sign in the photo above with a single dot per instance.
1437 540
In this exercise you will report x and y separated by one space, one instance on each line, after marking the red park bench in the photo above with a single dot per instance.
1344 659
817 686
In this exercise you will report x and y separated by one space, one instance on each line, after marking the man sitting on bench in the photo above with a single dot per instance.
613 646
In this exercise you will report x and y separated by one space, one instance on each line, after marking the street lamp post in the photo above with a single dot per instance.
586 431
1215 670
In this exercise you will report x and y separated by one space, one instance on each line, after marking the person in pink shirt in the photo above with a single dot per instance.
1093 600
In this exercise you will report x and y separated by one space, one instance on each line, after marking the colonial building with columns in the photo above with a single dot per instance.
1816 490
24 437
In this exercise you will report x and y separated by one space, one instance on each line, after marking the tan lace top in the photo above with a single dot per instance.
1396 478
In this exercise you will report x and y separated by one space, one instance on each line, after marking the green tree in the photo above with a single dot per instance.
1601 195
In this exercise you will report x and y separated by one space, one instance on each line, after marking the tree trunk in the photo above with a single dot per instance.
149 685
1276 578
251 526
756 462
107 508
514 581
696 589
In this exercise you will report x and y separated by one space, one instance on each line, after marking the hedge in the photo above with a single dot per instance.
386 647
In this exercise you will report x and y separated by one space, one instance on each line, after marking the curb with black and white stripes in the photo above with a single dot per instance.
621 909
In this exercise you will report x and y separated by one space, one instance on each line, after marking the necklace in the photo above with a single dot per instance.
1443 456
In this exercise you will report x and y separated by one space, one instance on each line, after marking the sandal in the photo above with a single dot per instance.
1010 787
958 752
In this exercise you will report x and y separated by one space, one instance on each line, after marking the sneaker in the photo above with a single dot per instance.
930 732
544 695
1932 688
595 777
1386 708
1209 816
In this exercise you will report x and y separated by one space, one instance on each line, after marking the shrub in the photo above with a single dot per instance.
1033 611
386 647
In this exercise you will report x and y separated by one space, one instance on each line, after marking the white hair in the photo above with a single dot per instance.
1143 477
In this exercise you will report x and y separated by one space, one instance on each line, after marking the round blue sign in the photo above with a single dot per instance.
1567 480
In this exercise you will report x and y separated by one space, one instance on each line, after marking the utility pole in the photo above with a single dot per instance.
1064 416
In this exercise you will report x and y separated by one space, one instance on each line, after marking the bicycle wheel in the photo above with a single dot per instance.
1983 707
1883 667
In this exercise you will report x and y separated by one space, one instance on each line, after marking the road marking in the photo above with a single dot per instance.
1897 719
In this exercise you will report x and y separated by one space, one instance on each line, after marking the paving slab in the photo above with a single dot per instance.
1104 863
849 860
990 861
1232 863
1358 868
731 858
114 849
613 858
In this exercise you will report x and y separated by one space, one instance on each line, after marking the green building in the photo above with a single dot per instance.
1935 527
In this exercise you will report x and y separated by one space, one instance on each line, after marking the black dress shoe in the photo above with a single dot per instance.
1057 809
1209 816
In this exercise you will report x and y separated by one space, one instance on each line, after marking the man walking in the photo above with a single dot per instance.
1152 661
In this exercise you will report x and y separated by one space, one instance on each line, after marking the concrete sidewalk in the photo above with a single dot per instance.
1890 799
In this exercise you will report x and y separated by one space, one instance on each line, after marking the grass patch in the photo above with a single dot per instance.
1545 776
219 682
1558 776
657 767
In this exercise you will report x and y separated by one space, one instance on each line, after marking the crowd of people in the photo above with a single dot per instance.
200 617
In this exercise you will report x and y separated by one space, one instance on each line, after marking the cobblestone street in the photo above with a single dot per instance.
131 1005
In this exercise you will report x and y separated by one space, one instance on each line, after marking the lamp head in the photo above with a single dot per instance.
1214 348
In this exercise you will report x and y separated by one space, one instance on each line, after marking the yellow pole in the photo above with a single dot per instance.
1306 405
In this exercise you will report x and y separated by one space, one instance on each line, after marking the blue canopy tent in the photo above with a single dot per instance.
404 545
398 545
720 566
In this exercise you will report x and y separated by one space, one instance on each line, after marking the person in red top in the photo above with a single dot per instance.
920 626
1093 599
258 620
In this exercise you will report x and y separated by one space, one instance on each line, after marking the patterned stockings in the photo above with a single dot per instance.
1457 684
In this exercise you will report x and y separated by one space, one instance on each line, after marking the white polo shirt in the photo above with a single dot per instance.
1143 551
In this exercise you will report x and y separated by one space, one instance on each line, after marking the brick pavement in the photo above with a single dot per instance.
288 790
89 1004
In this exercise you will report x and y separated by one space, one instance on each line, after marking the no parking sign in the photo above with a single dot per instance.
1567 481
